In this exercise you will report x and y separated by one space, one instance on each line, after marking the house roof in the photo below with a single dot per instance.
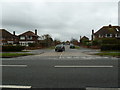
108 30
28 33
84 37
5 34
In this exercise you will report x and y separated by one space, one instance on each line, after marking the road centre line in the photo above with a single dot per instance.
14 86
13 65
71 66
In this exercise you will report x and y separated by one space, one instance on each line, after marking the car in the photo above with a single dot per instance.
72 46
59 48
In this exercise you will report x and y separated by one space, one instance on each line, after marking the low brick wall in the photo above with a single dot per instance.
95 47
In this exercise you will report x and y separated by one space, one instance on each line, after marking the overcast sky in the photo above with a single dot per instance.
62 20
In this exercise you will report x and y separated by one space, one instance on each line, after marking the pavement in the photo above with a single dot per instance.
73 68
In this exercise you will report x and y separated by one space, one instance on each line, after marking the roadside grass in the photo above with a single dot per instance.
109 54
52 47
77 47
14 54
18 51
117 51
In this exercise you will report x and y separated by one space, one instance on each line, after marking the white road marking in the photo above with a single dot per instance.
13 65
14 86
102 88
61 55
70 66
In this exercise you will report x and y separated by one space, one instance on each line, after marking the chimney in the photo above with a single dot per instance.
110 26
35 31
92 32
14 33
92 35
80 37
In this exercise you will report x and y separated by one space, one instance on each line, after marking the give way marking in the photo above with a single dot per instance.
14 86
13 65
73 66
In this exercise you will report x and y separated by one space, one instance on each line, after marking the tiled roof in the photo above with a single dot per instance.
84 37
108 30
5 34
28 33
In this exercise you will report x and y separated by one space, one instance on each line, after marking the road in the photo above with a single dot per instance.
73 68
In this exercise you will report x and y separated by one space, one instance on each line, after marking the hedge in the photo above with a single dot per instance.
32 44
107 47
12 48
110 41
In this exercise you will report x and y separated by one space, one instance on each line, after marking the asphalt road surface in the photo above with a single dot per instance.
74 68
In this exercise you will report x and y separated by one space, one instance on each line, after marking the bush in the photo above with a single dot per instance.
96 42
107 47
31 44
110 41
12 48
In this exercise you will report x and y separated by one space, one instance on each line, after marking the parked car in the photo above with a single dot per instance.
59 47
72 46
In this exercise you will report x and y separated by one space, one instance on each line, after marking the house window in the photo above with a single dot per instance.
99 35
105 35
110 35
116 35
22 38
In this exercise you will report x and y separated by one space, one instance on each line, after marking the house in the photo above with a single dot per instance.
107 32
83 39
7 38
28 37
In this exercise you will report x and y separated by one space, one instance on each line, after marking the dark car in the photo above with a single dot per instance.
59 48
72 46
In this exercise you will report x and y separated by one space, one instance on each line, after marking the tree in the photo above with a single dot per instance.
47 40
74 41
56 41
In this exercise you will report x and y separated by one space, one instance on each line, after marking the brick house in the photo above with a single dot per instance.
84 38
107 32
28 37
7 38
22 39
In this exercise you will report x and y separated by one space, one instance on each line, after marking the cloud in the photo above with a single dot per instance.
62 20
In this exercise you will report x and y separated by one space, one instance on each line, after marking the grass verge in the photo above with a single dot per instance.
77 47
52 47
109 54
3 55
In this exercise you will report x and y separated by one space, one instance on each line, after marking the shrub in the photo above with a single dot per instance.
31 44
106 47
110 41
96 42
13 48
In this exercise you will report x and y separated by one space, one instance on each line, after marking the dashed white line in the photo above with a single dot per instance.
14 86
13 65
70 66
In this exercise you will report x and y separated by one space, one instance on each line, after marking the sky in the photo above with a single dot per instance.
63 20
